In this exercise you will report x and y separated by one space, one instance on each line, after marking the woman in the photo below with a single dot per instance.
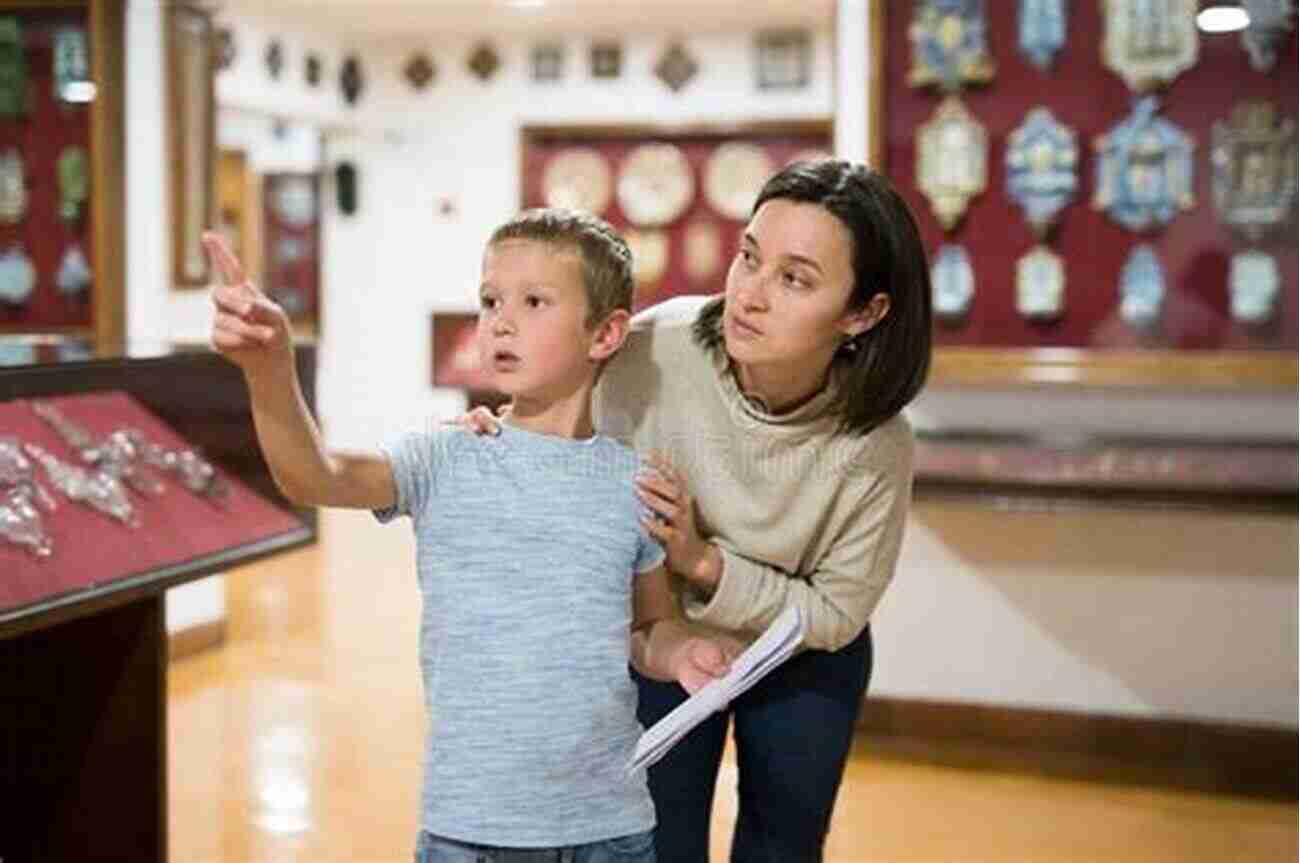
782 477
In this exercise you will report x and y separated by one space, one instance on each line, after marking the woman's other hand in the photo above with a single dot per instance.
671 520
698 662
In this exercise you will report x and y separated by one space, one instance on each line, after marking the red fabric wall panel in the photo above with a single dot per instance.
40 138
292 281
697 148
1081 93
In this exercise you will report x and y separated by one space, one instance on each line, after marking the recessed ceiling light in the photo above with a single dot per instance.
525 4
1222 19
79 91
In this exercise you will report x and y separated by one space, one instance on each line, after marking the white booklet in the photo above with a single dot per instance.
772 648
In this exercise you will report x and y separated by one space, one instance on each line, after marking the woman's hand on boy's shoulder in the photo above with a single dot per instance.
481 421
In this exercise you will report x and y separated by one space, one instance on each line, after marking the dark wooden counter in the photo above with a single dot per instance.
1025 473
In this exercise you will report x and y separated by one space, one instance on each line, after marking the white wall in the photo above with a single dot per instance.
148 243
148 248
1140 613
1137 613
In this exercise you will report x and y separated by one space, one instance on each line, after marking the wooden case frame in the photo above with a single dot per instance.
190 112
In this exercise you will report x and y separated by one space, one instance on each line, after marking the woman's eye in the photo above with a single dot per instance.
534 302
487 302
748 257
792 280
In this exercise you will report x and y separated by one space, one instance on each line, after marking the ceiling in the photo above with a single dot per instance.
370 20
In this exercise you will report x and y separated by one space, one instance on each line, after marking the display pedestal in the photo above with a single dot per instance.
85 739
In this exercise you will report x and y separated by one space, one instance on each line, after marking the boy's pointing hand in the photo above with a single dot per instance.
249 329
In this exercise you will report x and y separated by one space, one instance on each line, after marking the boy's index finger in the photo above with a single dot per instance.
227 264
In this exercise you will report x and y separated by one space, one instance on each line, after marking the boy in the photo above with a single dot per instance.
527 545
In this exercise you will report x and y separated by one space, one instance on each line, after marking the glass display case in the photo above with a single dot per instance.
83 646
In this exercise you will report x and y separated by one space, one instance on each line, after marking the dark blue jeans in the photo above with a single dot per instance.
637 848
792 731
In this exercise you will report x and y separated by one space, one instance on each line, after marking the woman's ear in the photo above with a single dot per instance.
875 311
609 335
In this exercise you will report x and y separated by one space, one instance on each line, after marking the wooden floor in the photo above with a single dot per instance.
300 739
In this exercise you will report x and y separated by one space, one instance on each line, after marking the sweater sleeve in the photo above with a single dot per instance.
838 597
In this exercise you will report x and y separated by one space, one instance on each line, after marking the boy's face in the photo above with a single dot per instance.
532 338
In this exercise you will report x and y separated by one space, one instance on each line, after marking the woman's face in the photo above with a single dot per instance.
788 289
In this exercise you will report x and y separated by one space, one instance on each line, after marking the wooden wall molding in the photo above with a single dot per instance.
195 639
1189 754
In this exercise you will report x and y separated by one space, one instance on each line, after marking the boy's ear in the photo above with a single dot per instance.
609 335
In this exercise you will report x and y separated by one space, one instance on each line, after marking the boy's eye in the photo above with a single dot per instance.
748 257
487 302
535 302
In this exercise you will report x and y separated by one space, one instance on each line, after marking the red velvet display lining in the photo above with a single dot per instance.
40 138
697 148
302 275
91 548
1194 249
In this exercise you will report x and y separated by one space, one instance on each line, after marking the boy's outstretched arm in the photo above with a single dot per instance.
663 647
253 333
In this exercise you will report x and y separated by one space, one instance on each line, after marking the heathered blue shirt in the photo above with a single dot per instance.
527 546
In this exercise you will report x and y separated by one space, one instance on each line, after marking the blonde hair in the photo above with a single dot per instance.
605 256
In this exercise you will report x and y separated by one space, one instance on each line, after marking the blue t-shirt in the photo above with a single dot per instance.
527 545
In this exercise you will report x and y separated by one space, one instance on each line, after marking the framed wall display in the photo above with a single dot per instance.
62 236
782 59
455 359
680 195
191 44
484 61
676 67
547 62
1123 237
291 209
237 209
419 70
455 351
311 69
606 59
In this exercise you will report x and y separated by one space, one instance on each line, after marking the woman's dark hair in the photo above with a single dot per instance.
883 369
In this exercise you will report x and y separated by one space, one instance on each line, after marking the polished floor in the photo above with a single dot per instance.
298 740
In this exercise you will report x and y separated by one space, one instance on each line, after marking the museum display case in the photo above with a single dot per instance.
1107 193
120 477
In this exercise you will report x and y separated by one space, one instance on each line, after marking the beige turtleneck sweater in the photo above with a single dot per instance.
802 515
